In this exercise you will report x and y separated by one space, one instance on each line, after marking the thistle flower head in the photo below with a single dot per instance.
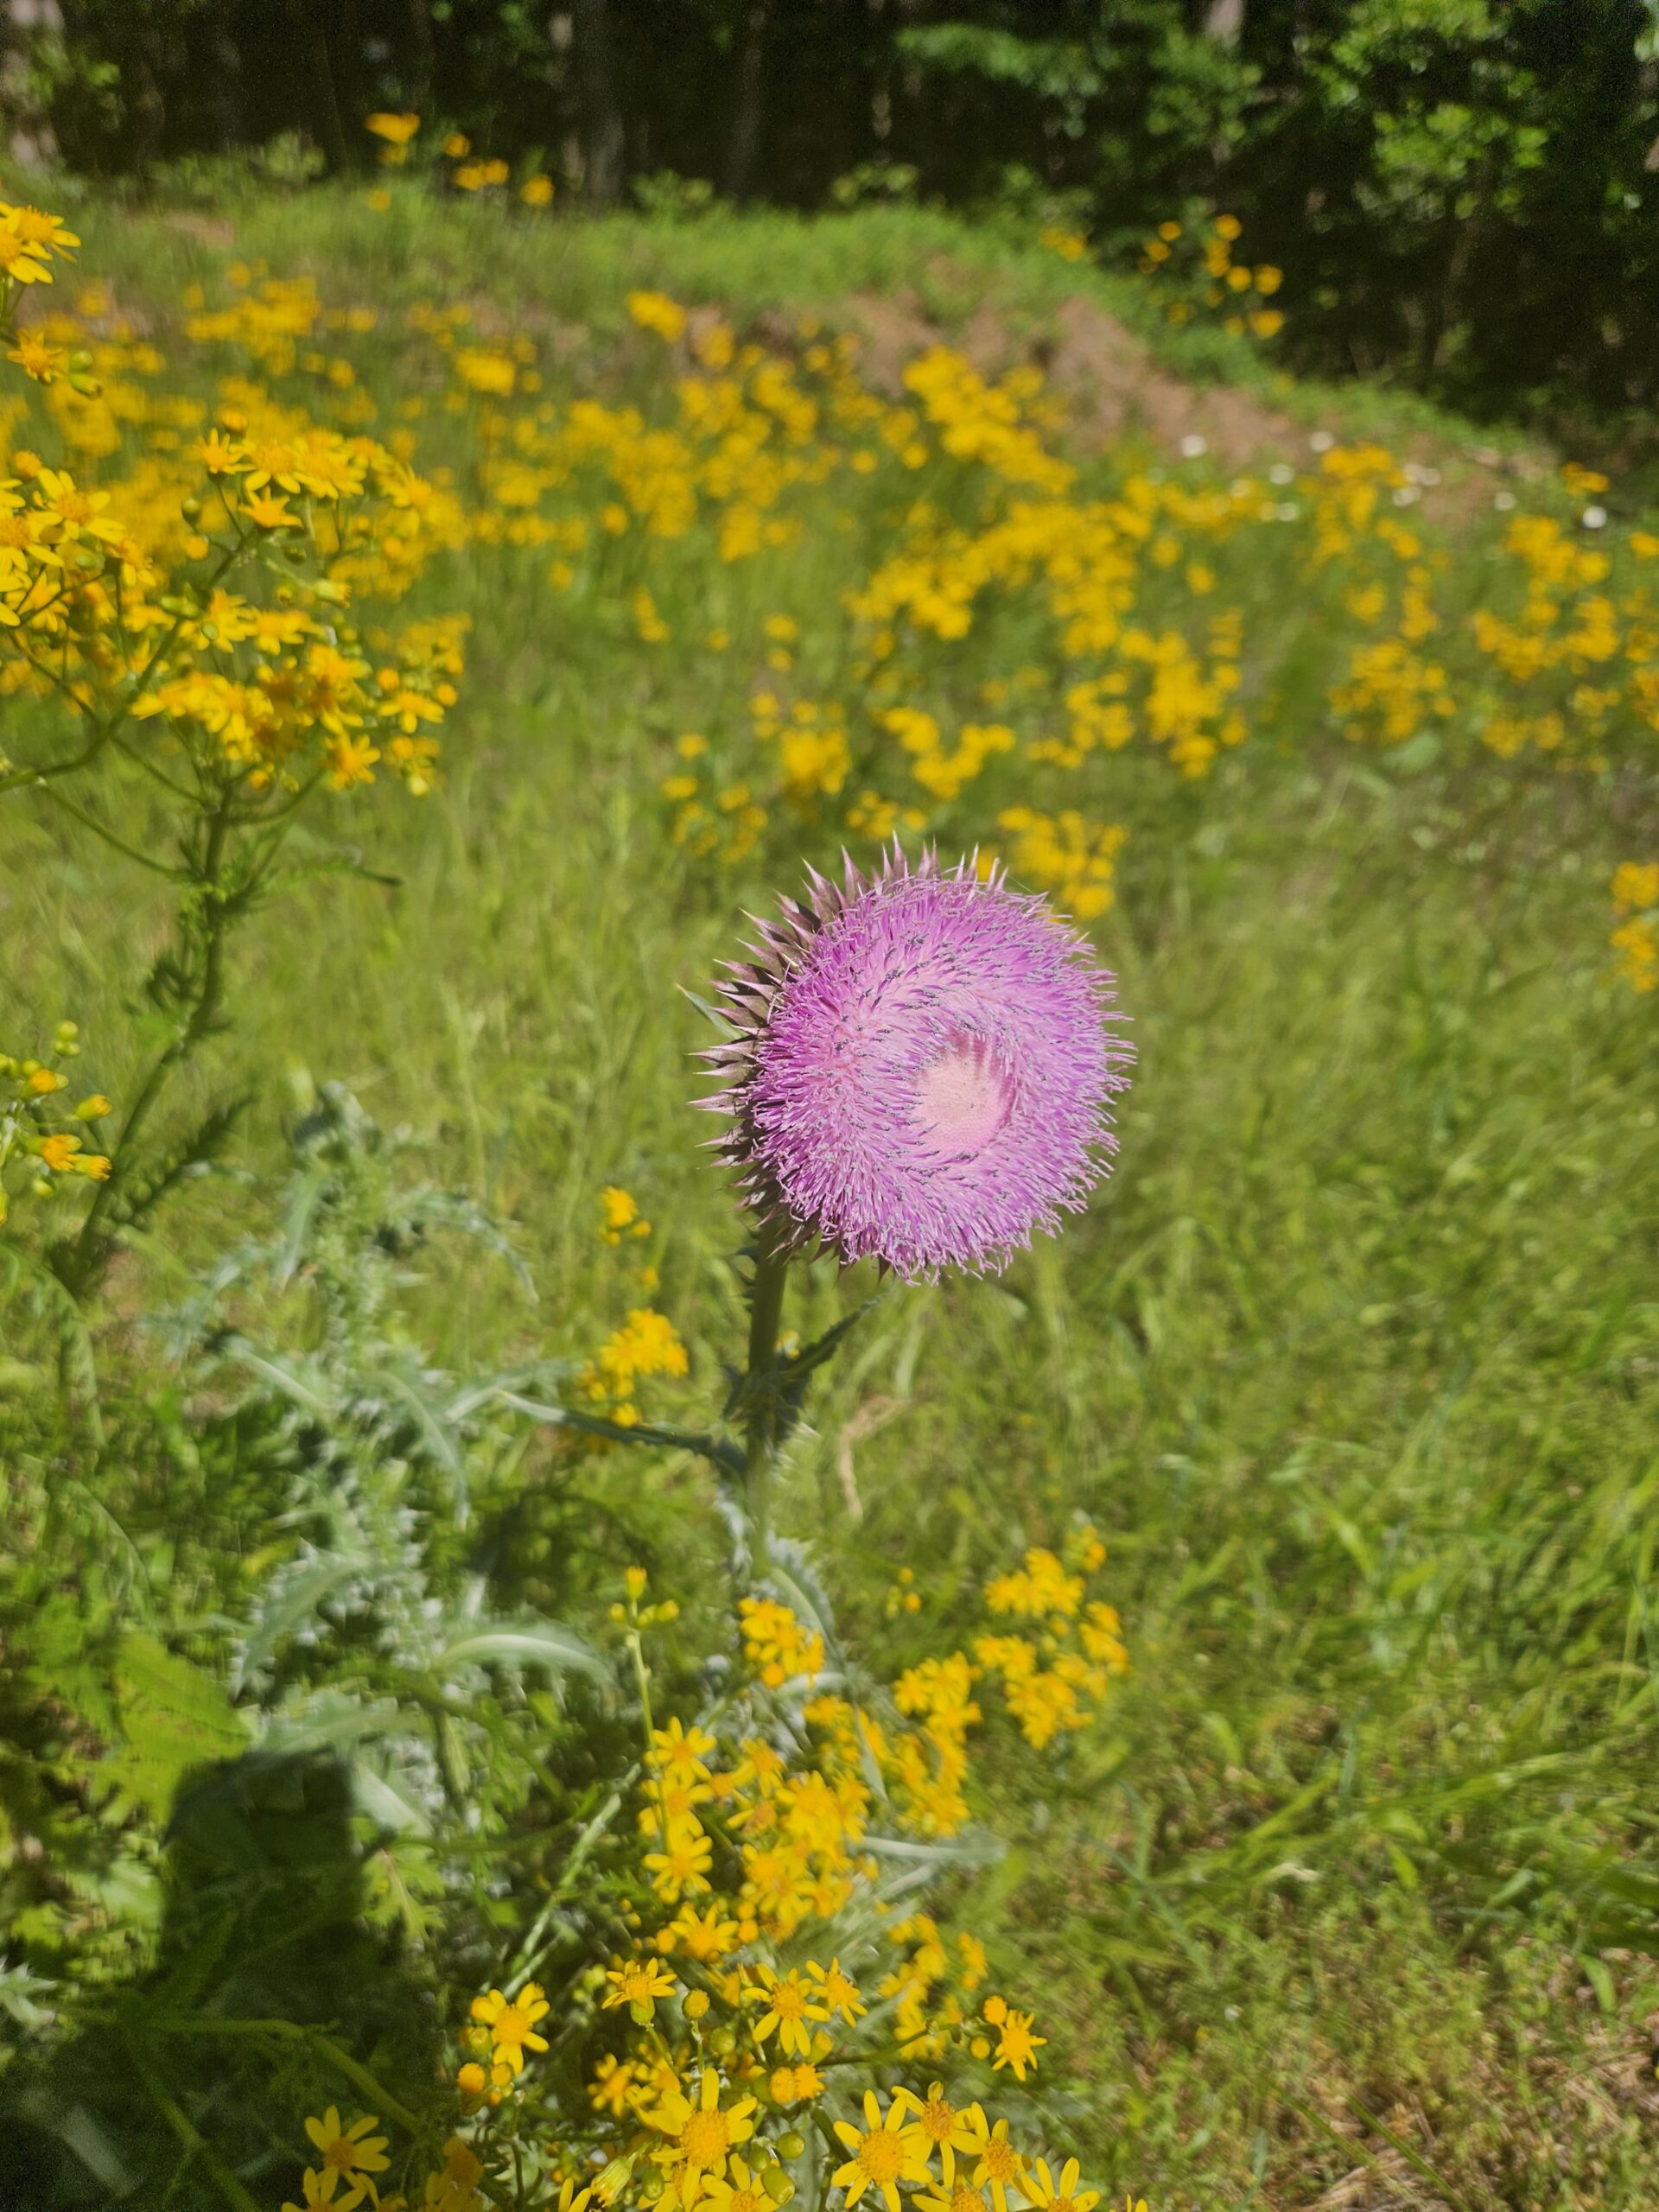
919 1067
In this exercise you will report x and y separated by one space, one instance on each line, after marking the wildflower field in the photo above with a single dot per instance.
511 1693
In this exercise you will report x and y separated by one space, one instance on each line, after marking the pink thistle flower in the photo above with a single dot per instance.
920 1067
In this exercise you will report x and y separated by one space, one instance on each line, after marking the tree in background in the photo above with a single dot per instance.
1462 190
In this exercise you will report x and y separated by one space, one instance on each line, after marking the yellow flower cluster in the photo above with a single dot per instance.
1088 564
646 1344
615 494
30 241
619 1215
277 322
945 769
398 133
655 311
349 2158
1014 620
122 591
686 2137
395 134
479 176
1065 856
1636 938
38 1130
1081 1639
800 1832
1198 267
352 2158
985 422
1390 692
781 2036
777 1647
720 2085
1578 657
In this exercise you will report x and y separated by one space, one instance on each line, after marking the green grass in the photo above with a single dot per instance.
1356 1364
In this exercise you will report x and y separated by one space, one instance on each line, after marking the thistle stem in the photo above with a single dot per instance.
761 1395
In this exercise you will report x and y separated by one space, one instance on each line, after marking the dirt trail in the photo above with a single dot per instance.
1107 376
1114 386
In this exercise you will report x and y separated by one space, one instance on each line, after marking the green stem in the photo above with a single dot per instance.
760 1393
717 1450
100 830
647 1723
207 919
532 1950
294 2032
195 2144
642 1677
104 730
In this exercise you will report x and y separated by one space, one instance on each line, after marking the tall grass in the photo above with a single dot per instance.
1356 1365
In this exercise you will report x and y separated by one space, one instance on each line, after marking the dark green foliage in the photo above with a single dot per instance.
176 2085
372 1634
194 1796
1462 190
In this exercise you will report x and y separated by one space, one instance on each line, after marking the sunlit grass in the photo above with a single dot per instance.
1354 1365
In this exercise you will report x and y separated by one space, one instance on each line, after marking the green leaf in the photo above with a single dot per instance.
381 1800
440 1438
1405 1867
330 1719
77 1367
175 1718
971 1848
1601 1980
285 1379
1054 68
527 1643
295 1599
23 1997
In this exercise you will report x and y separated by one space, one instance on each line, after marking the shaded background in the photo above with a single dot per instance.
1463 192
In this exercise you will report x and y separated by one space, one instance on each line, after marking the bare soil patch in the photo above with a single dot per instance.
1111 383
1115 387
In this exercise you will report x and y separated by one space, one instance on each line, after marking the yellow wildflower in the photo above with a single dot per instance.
355 2154
511 2023
655 311
1635 884
1016 2045
317 2187
789 2011
1041 2189
999 2165
702 2135
396 129
641 1985
737 2189
882 2153
794 2085
940 2127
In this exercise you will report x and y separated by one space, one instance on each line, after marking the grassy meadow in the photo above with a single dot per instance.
1349 1895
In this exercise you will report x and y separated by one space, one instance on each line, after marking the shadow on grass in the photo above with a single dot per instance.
170 2097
